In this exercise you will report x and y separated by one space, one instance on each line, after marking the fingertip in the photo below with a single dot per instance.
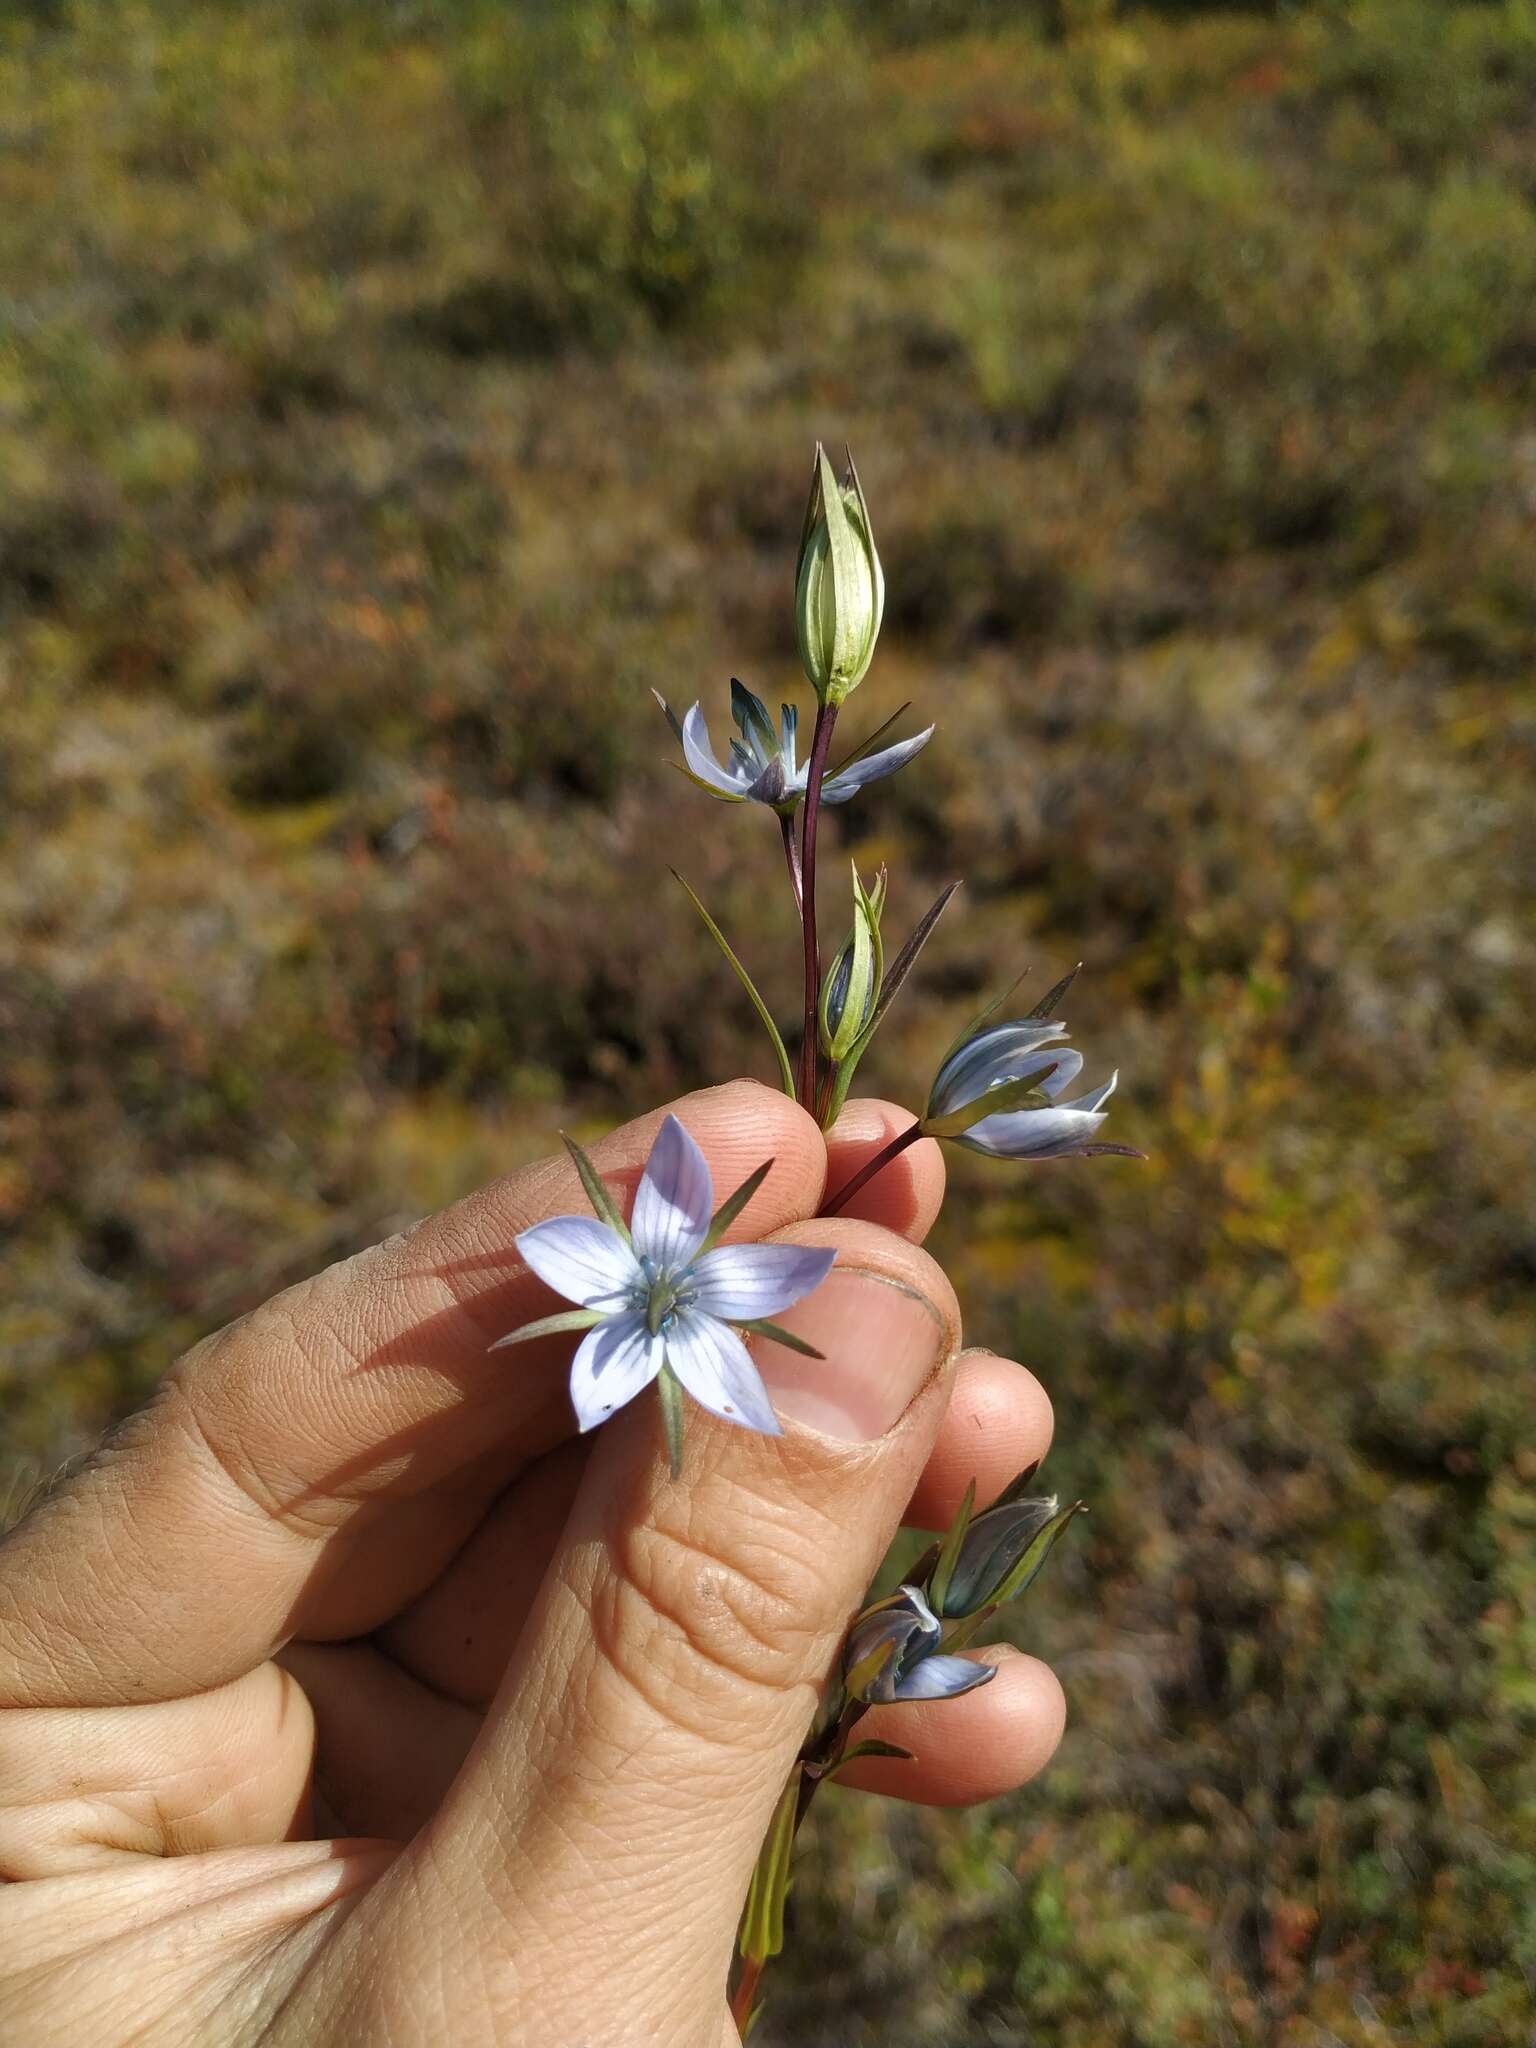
999 1421
738 1125
906 1195
979 1746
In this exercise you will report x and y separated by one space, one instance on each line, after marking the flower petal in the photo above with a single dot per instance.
789 727
866 1639
674 1201
753 722
1031 1133
740 1282
616 1361
943 1678
1060 1065
848 781
1096 1097
700 756
580 1258
716 1368
970 1068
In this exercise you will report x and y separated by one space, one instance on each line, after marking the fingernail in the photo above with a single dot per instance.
881 1341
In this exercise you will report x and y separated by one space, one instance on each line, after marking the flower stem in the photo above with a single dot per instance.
814 1763
792 859
871 1167
745 1994
821 743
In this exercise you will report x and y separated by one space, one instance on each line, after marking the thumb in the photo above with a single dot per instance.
627 1772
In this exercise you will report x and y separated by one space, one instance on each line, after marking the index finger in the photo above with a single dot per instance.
312 1467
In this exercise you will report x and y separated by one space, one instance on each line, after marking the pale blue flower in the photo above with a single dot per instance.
655 1299
892 1653
1022 1057
763 765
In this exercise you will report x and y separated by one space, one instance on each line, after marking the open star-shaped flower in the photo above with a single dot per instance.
763 765
661 1299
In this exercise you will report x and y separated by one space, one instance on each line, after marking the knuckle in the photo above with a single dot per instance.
702 1627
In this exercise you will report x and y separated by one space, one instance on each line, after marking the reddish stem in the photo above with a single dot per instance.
821 742
744 1995
871 1167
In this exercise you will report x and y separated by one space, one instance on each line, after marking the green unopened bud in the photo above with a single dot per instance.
992 1557
991 1549
852 984
839 587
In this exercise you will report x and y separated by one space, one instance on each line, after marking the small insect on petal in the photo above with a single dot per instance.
717 1370
618 1360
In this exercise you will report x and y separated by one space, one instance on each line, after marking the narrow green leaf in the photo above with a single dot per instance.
1046 1007
842 1081
725 796
732 1207
868 746
786 1072
1107 1150
762 1922
1017 1488
672 719
863 1749
761 1327
960 1635
552 1326
602 1202
984 1016
1011 1095
906 959
1030 1564
949 1551
890 982
670 1389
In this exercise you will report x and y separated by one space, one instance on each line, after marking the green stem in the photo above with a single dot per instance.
821 744
812 1769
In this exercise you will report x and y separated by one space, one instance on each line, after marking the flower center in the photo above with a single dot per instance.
661 1296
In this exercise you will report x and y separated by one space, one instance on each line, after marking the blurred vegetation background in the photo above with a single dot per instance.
390 394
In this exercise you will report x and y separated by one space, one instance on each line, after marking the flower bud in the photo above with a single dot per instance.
993 1545
852 984
999 1090
839 586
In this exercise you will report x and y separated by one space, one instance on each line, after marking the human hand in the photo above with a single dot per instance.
349 1576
